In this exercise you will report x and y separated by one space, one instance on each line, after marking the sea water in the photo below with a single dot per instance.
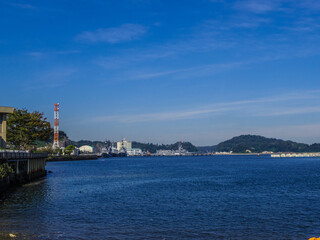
231 197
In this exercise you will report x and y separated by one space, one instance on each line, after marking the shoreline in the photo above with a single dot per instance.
71 158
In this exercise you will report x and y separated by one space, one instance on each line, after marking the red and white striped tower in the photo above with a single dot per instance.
56 126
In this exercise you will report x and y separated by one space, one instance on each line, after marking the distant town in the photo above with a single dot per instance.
124 149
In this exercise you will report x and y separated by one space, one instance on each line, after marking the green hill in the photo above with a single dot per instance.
259 144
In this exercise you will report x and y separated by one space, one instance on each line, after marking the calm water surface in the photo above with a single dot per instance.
169 198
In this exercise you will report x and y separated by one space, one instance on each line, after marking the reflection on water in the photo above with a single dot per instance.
168 198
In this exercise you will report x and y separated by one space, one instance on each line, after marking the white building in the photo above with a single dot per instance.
165 152
124 144
134 152
86 149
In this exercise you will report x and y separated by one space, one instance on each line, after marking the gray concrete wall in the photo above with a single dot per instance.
3 130
3 124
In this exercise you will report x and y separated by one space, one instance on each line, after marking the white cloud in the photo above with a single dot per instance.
124 33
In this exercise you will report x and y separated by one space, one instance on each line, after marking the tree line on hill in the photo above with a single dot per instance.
258 144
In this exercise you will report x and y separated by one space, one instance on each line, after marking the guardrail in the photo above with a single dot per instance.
10 155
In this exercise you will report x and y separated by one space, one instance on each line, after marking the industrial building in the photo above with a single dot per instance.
124 145
3 124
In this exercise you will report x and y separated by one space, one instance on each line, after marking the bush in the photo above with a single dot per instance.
5 170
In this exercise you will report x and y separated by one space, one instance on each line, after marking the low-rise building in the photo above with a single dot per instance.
86 149
134 152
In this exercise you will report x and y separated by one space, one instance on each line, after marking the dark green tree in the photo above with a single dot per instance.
25 128
69 149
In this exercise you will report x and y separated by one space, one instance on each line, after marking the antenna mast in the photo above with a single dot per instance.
56 126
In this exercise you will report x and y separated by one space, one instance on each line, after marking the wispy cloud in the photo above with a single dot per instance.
202 39
232 32
197 70
313 5
202 70
252 105
51 79
23 5
124 33
131 57
163 116
305 24
257 6
41 54
266 6
35 54
291 111
308 133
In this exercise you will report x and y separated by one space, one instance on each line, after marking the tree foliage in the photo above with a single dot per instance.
69 149
25 128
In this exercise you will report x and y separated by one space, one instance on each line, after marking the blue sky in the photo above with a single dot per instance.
160 71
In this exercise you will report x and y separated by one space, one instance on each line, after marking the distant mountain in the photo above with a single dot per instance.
258 144
152 148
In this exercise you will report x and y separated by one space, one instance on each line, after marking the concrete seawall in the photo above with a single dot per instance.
26 166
